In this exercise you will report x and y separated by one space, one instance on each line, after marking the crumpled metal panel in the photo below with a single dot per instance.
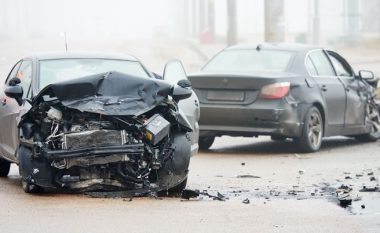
111 93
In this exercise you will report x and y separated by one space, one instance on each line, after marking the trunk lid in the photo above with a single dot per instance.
232 88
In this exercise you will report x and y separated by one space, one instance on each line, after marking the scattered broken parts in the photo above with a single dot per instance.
370 189
246 201
188 193
247 176
344 195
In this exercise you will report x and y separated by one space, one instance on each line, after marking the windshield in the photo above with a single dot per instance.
249 61
58 70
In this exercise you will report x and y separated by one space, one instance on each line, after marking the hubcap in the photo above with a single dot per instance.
315 130
373 117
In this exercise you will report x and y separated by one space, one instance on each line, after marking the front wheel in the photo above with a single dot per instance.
25 170
4 167
30 188
178 188
372 118
312 132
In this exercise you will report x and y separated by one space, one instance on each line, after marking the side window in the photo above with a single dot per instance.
340 68
310 67
321 63
25 75
13 73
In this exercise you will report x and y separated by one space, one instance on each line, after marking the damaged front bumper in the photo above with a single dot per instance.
102 168
109 160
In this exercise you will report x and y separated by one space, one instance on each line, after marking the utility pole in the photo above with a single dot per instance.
274 21
3 22
194 21
232 23
202 16
316 23
211 18
352 21
183 15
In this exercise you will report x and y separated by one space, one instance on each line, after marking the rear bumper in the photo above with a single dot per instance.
264 117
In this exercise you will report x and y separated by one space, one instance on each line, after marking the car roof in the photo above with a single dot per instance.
296 47
89 55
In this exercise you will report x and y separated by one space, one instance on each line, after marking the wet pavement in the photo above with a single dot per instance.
242 184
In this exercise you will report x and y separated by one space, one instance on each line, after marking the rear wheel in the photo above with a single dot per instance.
372 118
312 131
4 167
206 142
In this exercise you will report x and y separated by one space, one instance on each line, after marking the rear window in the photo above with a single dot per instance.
249 61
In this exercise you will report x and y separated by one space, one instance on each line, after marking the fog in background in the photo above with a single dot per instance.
191 30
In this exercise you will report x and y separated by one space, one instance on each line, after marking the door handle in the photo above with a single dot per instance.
3 102
324 88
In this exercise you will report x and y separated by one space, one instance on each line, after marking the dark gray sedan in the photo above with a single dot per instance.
292 91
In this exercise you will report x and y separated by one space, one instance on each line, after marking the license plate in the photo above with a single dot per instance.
225 95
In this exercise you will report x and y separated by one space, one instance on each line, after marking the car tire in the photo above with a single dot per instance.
24 156
373 118
4 167
278 138
178 188
30 188
312 131
206 142
172 175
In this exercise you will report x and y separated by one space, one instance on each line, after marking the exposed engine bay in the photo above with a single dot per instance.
87 148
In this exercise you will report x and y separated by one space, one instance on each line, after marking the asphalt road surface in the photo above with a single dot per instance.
287 192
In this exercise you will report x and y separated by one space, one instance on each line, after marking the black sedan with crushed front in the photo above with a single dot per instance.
102 131
292 91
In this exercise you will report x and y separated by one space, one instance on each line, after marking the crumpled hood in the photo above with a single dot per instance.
110 93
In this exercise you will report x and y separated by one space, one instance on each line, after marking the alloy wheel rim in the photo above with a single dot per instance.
315 130
374 118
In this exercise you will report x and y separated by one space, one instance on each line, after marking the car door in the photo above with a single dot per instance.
355 97
10 110
332 89
6 105
173 73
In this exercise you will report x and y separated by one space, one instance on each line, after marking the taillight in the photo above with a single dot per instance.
275 90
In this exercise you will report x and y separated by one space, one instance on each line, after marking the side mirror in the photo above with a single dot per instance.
14 92
174 72
366 75
14 81
184 83
180 93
